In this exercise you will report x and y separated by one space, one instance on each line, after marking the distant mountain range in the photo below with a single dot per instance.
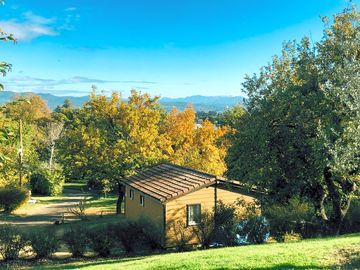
200 103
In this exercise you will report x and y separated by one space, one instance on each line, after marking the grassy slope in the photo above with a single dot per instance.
324 253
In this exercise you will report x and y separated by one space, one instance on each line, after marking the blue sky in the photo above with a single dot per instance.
168 48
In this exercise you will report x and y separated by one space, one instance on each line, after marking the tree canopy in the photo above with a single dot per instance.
301 133
111 138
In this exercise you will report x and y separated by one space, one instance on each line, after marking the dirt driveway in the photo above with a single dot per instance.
44 213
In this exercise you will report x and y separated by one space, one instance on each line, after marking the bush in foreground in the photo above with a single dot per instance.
76 241
204 231
226 221
150 233
12 241
44 242
351 222
12 198
100 240
254 230
296 216
128 233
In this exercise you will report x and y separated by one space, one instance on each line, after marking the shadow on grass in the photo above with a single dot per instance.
350 258
69 263
100 263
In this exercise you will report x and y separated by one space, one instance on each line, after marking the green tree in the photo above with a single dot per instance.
33 111
301 134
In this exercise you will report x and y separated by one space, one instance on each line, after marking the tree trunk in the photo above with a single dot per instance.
121 195
322 209
340 204
52 150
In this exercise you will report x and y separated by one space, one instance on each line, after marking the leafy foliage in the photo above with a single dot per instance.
100 240
109 138
205 229
182 237
202 148
128 233
226 220
32 110
151 235
43 242
295 217
352 220
301 133
46 182
76 240
4 66
12 241
255 230
12 198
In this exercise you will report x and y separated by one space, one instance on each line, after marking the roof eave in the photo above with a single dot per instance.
191 191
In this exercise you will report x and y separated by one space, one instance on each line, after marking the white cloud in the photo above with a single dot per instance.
31 27
31 17
27 31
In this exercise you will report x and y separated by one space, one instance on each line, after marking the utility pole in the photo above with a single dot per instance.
20 153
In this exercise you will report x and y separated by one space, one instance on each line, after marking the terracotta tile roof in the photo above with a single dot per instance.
167 181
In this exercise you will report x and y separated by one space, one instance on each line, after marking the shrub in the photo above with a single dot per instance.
226 222
128 233
204 231
182 237
351 223
151 234
76 240
12 198
100 240
291 218
80 209
254 230
44 242
46 182
12 241
95 185
39 184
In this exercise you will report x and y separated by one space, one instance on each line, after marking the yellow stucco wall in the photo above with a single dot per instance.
176 211
152 208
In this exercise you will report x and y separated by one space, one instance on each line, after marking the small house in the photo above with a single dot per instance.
172 195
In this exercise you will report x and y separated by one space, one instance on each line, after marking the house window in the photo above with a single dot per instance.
142 200
193 214
131 194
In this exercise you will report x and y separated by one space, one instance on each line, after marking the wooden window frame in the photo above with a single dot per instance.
142 200
193 223
131 194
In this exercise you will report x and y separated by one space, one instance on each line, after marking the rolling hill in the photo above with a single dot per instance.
200 103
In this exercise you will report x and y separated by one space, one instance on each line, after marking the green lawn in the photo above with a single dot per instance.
327 253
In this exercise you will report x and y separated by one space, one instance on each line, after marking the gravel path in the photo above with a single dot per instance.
45 214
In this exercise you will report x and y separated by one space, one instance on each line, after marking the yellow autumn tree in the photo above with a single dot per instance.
209 148
179 131
199 147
